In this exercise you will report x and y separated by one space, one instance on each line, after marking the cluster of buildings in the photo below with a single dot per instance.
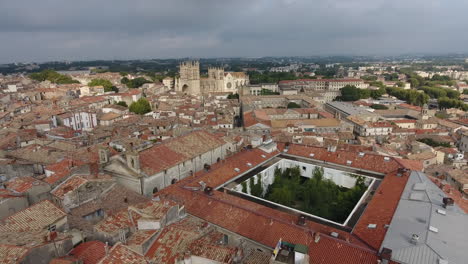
84 180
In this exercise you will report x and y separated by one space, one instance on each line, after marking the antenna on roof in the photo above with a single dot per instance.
414 239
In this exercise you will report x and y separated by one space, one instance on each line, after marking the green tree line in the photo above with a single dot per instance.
108 86
52 76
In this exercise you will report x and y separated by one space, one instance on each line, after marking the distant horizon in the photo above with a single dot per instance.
53 30
415 55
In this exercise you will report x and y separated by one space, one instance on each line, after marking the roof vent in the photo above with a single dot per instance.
372 226
249 164
386 158
414 239
237 169
447 201
386 254
433 229
301 220
442 261
442 212
331 148
334 234
361 154
349 162
263 156
209 191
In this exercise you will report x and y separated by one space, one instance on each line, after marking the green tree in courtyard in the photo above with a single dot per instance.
141 107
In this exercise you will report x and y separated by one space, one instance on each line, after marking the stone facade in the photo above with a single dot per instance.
190 82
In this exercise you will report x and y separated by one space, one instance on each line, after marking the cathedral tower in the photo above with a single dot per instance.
189 80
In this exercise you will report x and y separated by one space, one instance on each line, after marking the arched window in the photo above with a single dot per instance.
173 181
155 190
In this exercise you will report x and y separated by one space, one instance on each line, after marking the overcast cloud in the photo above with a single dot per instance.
45 30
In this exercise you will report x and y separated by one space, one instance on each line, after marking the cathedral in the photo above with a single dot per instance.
189 80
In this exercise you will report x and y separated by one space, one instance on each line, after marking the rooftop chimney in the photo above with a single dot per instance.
386 255
447 201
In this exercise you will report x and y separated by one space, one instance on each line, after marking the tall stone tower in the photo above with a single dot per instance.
216 74
189 80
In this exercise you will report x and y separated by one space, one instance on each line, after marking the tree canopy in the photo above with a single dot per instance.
52 76
122 103
316 195
411 96
134 83
141 107
104 83
293 105
256 77
233 96
379 107
433 143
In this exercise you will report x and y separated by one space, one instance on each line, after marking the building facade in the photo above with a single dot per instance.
190 82
327 88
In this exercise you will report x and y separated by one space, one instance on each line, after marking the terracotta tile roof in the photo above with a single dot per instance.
60 169
371 162
165 157
34 218
69 185
177 150
90 252
266 225
224 170
140 237
218 253
5 194
120 254
23 184
120 220
380 210
64 260
401 121
177 238
11 254
408 106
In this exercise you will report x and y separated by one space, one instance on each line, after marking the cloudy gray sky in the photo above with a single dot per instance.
45 30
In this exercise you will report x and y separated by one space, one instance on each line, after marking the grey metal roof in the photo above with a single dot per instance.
350 109
419 210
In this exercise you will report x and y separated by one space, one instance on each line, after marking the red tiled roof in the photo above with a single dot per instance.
120 254
412 107
371 162
380 210
23 184
69 185
224 170
402 121
90 252
12 254
177 150
34 218
267 226
120 220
